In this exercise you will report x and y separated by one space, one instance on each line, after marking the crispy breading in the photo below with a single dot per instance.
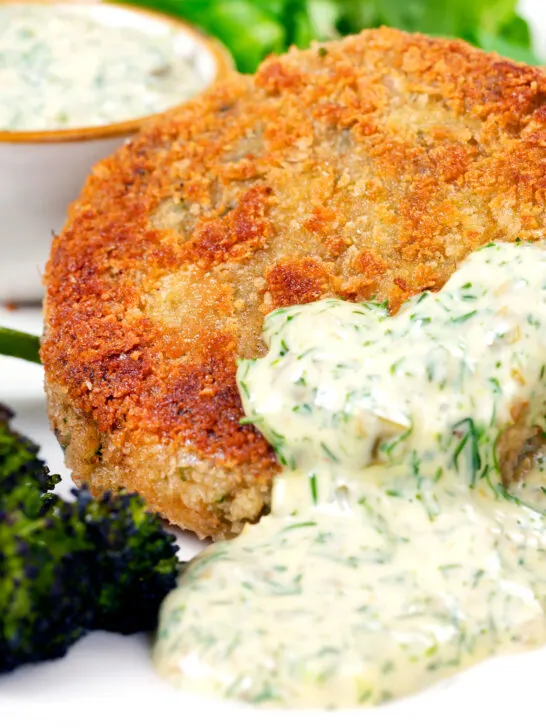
365 167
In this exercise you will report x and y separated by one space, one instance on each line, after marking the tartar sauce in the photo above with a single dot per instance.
62 68
394 554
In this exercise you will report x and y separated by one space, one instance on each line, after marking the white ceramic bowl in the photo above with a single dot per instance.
42 172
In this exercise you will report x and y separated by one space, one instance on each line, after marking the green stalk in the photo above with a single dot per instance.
20 345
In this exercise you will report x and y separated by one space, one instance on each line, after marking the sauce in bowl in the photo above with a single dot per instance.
394 554
65 67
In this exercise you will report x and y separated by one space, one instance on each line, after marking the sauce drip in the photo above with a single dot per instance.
394 554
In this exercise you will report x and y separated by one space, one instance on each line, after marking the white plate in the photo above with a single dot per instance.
108 679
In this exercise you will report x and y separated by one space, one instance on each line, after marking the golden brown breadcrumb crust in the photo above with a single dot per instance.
366 167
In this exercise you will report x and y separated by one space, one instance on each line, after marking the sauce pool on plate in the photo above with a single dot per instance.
61 68
396 552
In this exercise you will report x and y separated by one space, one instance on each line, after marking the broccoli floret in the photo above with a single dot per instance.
133 561
24 478
44 595
70 567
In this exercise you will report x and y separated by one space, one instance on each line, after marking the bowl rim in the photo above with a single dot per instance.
222 58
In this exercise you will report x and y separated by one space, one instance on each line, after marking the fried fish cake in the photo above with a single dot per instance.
367 167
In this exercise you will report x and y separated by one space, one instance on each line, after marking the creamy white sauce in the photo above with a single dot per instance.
60 68
393 555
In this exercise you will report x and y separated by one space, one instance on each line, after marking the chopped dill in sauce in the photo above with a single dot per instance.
61 67
406 539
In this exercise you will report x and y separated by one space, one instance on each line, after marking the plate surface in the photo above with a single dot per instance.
109 678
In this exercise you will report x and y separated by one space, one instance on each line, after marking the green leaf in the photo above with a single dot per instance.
492 24
507 48
409 15
492 15
303 32
516 30
324 16
252 29
354 16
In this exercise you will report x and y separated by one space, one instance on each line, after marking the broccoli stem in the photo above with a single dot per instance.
20 345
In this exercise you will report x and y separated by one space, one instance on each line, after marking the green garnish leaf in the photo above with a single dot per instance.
253 30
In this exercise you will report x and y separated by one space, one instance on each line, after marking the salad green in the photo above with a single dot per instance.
252 29
69 567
